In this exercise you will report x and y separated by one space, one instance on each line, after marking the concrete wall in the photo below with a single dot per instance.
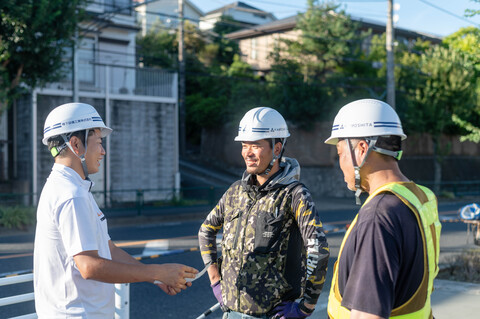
23 139
142 149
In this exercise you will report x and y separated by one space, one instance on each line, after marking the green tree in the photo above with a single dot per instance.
472 12
34 36
158 47
327 36
308 73
467 40
227 48
440 84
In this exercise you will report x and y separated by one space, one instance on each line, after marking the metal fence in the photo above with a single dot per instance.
122 80
122 297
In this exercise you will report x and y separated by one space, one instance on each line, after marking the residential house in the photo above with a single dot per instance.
139 104
165 12
243 14
256 43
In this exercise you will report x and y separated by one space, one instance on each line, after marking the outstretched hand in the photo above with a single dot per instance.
172 277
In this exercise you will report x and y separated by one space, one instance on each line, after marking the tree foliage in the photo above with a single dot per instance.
472 12
34 35
158 47
439 85
467 41
310 73
326 38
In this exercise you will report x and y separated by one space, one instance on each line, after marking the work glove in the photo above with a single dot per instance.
217 291
289 309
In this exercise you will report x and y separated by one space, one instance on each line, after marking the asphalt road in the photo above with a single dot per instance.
148 301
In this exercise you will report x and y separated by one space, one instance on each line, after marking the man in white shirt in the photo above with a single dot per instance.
75 262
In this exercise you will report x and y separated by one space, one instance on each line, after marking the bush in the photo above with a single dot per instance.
18 217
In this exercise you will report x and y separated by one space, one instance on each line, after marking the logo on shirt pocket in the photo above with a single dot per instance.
102 217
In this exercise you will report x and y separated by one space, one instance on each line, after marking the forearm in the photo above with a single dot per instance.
316 272
207 237
94 267
120 255
213 273
110 271
316 245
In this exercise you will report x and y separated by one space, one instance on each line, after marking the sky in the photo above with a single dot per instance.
416 15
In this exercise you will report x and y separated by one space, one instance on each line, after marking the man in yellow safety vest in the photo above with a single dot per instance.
389 255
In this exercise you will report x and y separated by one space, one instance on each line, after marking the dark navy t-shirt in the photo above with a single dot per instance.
381 265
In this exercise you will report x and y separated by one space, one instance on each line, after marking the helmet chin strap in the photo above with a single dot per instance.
274 157
81 157
358 186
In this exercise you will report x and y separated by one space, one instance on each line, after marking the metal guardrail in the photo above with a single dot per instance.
122 297
122 291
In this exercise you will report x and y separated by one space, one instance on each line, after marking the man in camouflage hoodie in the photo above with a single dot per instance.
274 250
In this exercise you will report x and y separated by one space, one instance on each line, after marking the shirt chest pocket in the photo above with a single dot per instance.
268 231
231 228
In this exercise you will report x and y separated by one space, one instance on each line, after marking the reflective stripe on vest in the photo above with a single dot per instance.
423 203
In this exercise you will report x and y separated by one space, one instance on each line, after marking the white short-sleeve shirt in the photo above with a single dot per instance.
69 222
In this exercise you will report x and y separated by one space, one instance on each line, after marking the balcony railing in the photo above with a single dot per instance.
114 79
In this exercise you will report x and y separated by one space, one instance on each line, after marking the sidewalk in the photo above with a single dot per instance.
451 299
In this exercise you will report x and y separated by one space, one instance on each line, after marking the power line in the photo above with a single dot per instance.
449 12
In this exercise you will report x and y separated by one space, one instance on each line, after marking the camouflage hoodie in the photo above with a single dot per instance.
273 246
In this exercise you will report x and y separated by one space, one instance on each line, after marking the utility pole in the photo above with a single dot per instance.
75 81
390 57
181 80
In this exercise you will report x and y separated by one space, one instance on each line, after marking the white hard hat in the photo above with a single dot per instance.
72 117
365 118
262 123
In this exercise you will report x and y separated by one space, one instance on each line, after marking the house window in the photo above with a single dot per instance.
253 45
86 58
118 6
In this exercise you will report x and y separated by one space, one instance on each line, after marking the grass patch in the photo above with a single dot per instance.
18 217
463 267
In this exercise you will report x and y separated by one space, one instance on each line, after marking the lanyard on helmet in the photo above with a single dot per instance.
274 157
81 157
371 147
358 187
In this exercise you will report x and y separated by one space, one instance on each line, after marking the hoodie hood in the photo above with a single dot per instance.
289 172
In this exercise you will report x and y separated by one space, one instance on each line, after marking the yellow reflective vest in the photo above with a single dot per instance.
423 204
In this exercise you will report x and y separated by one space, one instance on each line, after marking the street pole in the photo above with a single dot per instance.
390 57
181 80
75 81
